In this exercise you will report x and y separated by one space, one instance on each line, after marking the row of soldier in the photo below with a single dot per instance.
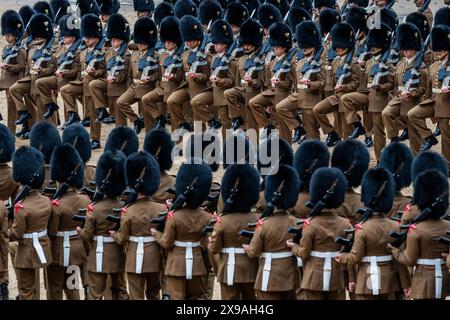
297 231
243 72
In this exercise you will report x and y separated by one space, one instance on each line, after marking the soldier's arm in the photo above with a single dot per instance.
410 254
74 69
203 76
288 81
358 249
423 84
215 245
87 233
50 68
230 79
353 84
100 70
53 223
319 84
306 243
257 243
178 75
390 81
21 63
167 239
123 234
258 82
19 225
122 75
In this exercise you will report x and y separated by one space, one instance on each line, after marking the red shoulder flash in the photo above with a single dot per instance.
306 222
55 203
358 227
411 227
259 223
167 204
18 206
211 214
170 214
123 211
90 208
407 208
218 220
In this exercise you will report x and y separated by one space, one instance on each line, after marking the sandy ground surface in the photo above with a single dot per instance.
402 7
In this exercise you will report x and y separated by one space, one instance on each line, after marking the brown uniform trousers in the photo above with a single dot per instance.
113 256
226 236
318 236
372 103
395 113
238 97
106 94
270 237
143 280
15 71
61 221
210 103
155 101
306 98
80 88
188 89
421 244
27 85
186 225
136 90
270 98
332 103
371 239
48 87
32 215
435 107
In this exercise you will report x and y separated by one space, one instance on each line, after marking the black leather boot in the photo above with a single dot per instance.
24 116
428 143
236 123
161 122
73 118
404 136
138 125
332 139
102 115
358 130
51 109
298 133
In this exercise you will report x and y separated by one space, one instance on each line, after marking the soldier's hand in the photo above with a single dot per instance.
445 89
79 230
112 233
169 76
306 82
375 86
407 292
192 75
338 258
405 94
290 243
145 81
248 79
90 70
351 286
59 73
389 246
213 79
362 64
444 255
4 66
36 68
246 247
111 80
153 231
338 88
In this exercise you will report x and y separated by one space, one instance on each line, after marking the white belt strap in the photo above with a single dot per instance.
99 251
189 255
374 271
268 256
299 262
437 263
326 266
36 244
66 244
231 262
140 250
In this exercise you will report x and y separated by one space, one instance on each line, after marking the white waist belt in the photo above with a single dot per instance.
36 244
374 271
66 244
189 255
99 251
268 256
302 86
326 266
140 250
231 262
437 263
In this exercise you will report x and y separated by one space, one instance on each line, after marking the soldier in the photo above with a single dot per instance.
13 60
106 90
379 82
397 159
426 11
352 158
185 8
323 278
310 156
183 235
143 8
405 96
310 83
41 64
369 250
236 272
68 58
436 105
282 77
430 280
208 12
345 80
162 10
420 21
170 69
106 257
45 137
107 9
124 139
196 66
7 190
144 260
78 136
92 67
31 216
208 104
144 70
278 275
251 76
235 15
67 169
88 6
158 142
